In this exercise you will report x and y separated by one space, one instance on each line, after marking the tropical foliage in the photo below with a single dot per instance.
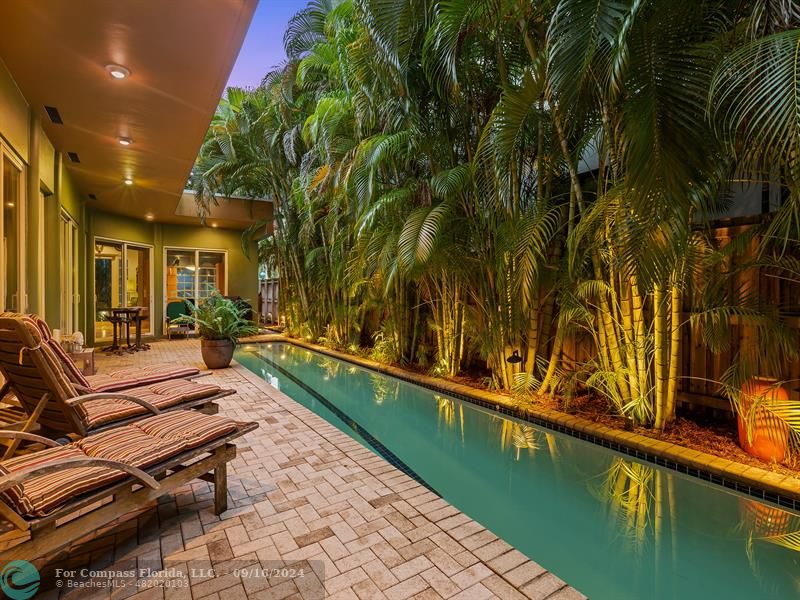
457 181
219 318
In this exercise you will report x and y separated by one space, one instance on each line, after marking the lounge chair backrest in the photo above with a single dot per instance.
33 369
176 309
70 368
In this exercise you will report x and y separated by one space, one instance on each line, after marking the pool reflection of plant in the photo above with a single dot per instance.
383 388
637 500
641 501
765 525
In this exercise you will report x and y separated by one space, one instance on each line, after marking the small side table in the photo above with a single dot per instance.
85 360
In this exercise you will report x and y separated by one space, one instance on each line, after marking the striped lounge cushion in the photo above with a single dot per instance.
138 376
40 495
143 444
188 427
162 395
130 445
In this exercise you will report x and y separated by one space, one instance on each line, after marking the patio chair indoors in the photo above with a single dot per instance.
173 311
39 381
62 493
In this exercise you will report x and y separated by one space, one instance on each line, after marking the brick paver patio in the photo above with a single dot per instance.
306 498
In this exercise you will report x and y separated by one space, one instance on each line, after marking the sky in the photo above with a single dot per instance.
263 46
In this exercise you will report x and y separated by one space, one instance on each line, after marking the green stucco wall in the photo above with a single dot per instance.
68 198
14 115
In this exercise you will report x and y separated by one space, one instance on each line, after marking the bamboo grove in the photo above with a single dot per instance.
459 182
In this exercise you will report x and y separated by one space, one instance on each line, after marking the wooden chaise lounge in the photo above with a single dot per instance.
51 399
62 493
114 380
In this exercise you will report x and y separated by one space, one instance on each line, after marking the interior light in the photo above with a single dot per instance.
10 204
117 71
149 216
213 224
125 141
128 181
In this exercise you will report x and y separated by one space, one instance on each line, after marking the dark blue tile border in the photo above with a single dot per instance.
707 476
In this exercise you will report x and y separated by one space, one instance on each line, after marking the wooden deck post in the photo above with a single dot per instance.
221 488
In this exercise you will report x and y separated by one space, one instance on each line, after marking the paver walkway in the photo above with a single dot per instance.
305 499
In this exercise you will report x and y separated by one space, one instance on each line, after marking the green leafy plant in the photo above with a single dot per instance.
219 318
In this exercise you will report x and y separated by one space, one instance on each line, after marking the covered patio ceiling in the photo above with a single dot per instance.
178 55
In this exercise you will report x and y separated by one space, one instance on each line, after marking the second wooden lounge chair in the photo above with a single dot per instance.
45 391
61 494
112 380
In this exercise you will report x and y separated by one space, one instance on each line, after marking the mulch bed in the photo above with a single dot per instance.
701 434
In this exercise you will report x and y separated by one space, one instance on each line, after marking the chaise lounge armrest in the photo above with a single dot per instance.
19 477
77 400
6 434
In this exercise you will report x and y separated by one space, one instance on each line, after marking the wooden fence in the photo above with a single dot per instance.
702 369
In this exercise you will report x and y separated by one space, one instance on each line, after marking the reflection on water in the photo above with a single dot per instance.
383 388
609 525
517 436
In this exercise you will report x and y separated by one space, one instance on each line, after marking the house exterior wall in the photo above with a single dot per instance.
22 135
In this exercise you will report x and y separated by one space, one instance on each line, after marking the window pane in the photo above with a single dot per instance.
211 274
11 196
180 275
108 285
137 282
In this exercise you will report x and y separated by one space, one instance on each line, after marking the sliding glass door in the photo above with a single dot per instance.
122 278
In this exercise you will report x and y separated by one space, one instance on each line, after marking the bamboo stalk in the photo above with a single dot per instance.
639 343
674 354
659 321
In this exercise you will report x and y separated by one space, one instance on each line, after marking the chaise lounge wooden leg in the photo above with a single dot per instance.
28 425
221 488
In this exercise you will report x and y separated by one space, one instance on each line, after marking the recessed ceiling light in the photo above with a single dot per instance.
128 181
117 71
149 216
125 141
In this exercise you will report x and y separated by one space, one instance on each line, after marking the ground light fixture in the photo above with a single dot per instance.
515 358
117 71
125 141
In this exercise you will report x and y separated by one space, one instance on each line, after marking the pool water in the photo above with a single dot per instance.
608 525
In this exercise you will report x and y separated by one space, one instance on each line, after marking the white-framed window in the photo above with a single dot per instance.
194 273
123 277
12 228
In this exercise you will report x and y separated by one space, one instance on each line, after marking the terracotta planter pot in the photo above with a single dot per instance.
217 354
769 436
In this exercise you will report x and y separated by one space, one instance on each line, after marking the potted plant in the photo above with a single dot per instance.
762 432
220 323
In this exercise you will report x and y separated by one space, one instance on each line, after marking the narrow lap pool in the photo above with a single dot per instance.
606 524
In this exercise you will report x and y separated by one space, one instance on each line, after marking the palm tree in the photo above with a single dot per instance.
428 160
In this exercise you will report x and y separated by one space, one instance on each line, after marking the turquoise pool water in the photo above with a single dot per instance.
608 525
